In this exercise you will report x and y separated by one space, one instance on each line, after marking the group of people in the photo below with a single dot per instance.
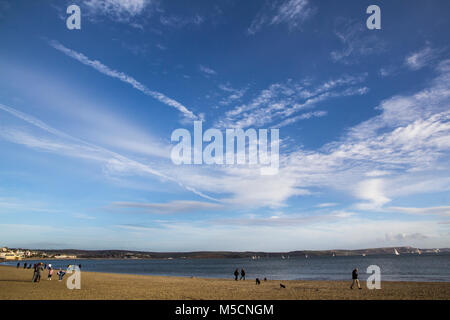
236 274
355 279
39 269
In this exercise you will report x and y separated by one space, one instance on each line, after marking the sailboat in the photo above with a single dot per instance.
396 252
418 251
363 254
282 257
334 255
306 256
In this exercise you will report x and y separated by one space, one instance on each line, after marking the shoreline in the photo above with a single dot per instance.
221 278
15 284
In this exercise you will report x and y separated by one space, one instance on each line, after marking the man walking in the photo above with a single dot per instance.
355 278
236 274
242 274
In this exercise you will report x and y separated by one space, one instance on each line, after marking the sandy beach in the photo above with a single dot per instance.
16 284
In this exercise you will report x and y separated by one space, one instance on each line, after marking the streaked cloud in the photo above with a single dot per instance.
100 67
179 206
419 59
441 211
356 40
292 13
206 70
119 10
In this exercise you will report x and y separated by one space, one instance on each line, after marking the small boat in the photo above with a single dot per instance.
334 255
363 254
282 257
418 251
396 252
306 256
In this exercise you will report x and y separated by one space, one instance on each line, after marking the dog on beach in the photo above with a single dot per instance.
257 281
282 286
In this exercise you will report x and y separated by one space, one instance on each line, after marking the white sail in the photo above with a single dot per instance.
396 252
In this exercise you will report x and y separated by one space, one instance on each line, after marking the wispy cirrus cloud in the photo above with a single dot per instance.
175 21
179 206
419 59
207 71
292 13
441 210
356 40
100 67
67 145
281 101
119 10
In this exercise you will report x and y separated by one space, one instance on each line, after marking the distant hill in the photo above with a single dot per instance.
127 254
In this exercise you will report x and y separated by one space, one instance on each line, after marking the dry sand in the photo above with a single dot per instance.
16 284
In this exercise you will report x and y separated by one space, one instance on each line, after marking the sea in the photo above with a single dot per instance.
425 267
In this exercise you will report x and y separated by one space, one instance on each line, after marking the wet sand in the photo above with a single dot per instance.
16 284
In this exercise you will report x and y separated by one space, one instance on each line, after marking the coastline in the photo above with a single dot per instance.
15 284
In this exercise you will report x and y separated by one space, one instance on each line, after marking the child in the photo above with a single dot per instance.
50 273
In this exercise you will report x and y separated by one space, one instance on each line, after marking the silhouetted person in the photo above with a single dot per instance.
355 278
25 265
236 274
79 266
265 279
18 265
242 274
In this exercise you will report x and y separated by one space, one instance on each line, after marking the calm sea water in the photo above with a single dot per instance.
426 267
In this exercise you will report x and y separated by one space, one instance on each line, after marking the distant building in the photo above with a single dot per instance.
12 256
63 256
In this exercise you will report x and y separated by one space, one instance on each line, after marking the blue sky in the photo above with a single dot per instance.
86 118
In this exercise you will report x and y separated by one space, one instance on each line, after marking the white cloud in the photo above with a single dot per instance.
356 41
179 206
442 210
280 101
120 10
373 191
292 13
207 71
179 22
326 205
97 65
67 145
419 59
377 173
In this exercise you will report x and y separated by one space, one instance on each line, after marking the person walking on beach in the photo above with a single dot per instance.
50 273
25 265
242 274
39 269
18 265
355 278
236 274
37 273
